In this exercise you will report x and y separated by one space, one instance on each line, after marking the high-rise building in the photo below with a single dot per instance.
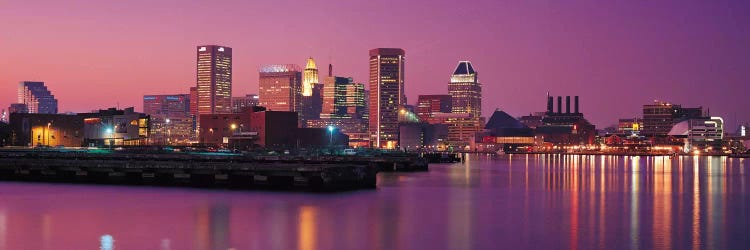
170 118
311 99
428 105
241 103
466 97
465 90
343 98
311 77
214 78
37 98
386 95
194 101
280 87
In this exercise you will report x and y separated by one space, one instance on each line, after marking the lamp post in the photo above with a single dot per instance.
48 125
109 137
168 132
330 133
233 127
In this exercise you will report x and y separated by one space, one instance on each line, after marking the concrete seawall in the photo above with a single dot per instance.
229 171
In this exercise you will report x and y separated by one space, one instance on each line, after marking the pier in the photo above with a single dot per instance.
195 170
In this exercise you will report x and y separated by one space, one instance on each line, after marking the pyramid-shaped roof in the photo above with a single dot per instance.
500 119
464 68
502 124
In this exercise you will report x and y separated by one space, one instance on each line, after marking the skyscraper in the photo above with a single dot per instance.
465 90
386 95
214 79
311 77
280 87
466 95
343 98
37 98
312 100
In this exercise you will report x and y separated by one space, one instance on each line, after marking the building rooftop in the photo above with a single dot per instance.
464 68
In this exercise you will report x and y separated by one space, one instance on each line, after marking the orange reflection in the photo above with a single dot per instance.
307 228
635 169
696 206
662 210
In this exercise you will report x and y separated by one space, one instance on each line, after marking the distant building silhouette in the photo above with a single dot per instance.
37 98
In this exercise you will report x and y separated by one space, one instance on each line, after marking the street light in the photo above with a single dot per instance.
330 132
168 132
48 125
109 136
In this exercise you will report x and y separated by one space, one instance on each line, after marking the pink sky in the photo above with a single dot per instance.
616 55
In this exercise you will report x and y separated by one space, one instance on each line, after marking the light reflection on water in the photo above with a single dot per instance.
487 202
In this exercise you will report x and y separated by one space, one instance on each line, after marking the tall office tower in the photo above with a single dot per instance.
466 94
37 98
429 105
312 101
214 77
465 90
386 95
280 87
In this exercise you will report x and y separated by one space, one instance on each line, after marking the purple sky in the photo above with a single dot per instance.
616 55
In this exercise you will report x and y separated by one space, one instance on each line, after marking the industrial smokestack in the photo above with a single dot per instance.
567 104
576 105
559 104
550 100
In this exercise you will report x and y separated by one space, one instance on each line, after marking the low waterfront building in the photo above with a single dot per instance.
703 133
355 129
217 129
565 128
115 127
46 130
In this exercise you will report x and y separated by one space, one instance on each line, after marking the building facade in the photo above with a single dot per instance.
214 79
46 130
386 95
428 105
241 103
37 98
171 122
704 133
18 108
466 99
280 87
659 117
114 127
465 90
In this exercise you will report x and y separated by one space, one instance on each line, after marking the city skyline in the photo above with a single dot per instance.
525 55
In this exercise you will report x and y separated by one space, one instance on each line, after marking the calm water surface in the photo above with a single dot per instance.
488 202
